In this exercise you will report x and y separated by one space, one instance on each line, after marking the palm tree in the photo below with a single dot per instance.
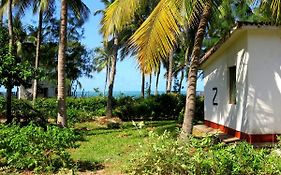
11 43
149 85
41 6
113 62
82 12
157 80
193 71
170 72
62 119
101 61
142 85
161 30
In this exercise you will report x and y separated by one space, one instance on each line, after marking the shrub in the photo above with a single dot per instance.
79 109
23 112
33 148
165 106
199 111
164 155
161 107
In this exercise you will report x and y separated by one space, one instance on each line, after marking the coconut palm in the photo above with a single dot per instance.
42 7
271 8
11 43
156 37
170 72
101 61
81 11
157 80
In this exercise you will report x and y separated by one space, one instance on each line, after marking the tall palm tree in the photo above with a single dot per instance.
170 72
62 118
40 6
156 37
149 85
81 11
101 61
193 71
11 43
142 85
157 80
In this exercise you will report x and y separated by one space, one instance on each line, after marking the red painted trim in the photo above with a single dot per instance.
251 138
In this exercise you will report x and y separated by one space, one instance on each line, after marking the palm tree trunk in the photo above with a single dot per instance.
149 86
62 118
37 56
109 107
9 84
170 73
192 76
106 78
181 80
142 84
157 81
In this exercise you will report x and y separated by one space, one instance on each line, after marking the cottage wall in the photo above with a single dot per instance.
264 90
216 77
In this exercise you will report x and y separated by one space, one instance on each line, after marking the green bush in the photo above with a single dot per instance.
199 111
33 148
79 109
23 112
164 155
161 107
165 106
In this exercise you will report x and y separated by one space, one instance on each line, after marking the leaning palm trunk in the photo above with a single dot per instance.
192 76
157 81
111 78
62 118
37 56
170 73
9 85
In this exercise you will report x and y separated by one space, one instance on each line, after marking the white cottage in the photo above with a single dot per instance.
242 76
45 89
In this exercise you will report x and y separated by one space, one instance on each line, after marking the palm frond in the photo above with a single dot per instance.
118 15
80 9
156 37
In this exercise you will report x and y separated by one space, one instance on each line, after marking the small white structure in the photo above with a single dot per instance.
44 90
242 76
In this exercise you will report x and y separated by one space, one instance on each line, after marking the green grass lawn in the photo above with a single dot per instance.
110 148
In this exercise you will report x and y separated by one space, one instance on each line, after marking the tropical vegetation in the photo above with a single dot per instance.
79 134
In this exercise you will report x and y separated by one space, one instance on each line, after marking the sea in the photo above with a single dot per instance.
115 93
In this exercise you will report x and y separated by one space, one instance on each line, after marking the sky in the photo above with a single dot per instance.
128 76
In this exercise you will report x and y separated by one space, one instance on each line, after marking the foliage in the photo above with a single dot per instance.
164 155
165 106
23 112
33 148
79 109
12 68
199 111
113 146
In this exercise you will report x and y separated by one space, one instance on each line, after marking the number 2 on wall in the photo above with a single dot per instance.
215 96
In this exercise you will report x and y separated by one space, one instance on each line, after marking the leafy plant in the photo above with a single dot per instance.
162 154
36 148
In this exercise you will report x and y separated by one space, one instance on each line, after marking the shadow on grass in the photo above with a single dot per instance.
84 166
